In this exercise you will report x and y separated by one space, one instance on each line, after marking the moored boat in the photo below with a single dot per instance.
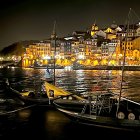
44 94
101 111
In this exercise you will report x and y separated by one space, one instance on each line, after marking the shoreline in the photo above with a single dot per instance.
126 68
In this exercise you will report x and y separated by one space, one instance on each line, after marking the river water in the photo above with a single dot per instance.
45 123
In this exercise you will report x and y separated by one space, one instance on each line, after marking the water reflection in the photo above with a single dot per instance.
56 122
24 114
76 81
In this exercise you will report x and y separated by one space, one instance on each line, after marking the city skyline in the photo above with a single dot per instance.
33 19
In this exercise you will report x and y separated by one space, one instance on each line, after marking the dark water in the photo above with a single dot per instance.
45 123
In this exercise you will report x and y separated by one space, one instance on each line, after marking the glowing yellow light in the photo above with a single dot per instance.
80 56
95 63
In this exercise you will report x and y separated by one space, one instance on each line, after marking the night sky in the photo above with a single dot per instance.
33 19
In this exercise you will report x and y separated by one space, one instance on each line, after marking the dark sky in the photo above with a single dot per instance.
33 19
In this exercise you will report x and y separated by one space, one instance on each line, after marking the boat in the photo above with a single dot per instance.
28 96
70 103
43 93
107 108
60 95
10 103
101 111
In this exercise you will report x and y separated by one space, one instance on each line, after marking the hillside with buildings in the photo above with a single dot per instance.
92 47
16 48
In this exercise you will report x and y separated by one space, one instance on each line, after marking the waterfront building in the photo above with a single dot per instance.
36 52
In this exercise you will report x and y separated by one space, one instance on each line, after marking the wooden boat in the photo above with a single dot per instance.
101 111
44 95
29 97
10 102
60 95
70 103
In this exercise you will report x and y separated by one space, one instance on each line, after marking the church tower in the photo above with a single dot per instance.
94 29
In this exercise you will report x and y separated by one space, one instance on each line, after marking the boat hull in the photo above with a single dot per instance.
37 100
71 105
101 121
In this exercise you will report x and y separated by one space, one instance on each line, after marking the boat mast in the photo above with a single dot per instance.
124 60
54 39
